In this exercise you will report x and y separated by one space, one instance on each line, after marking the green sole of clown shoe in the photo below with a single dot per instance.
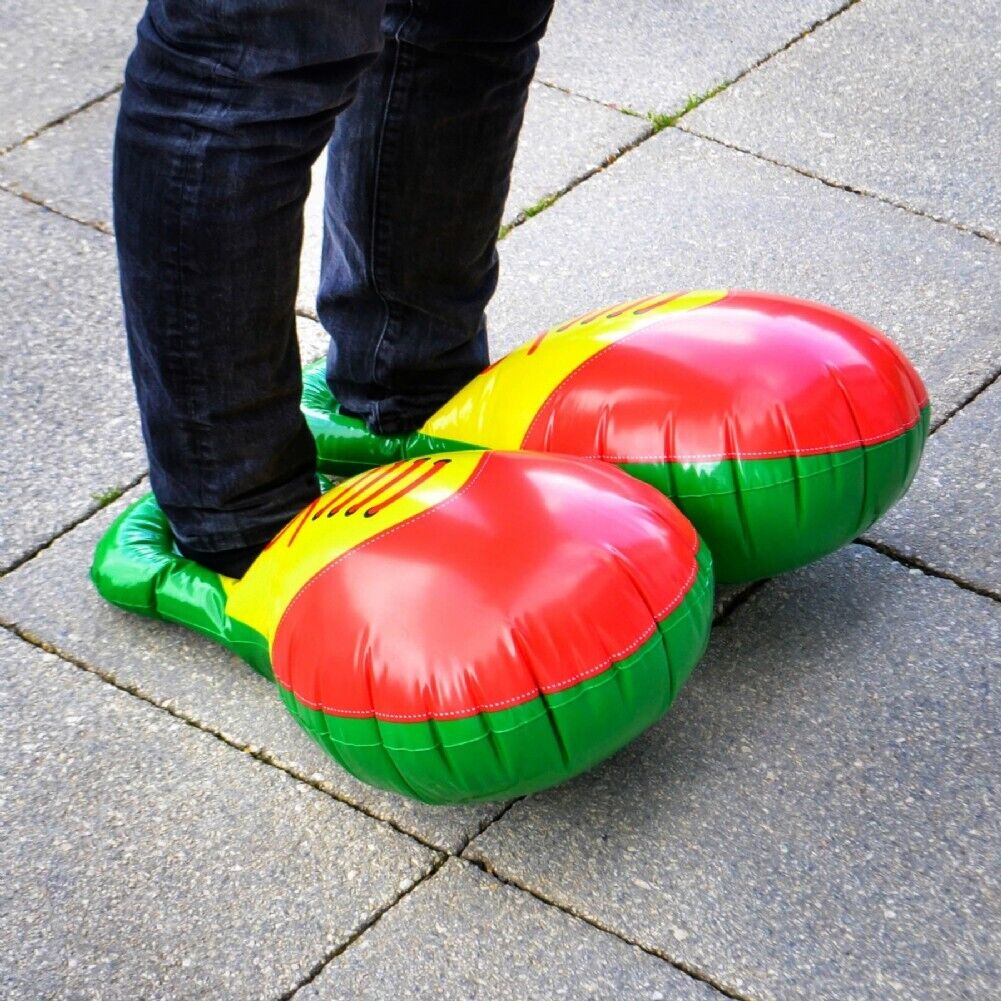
544 741
766 516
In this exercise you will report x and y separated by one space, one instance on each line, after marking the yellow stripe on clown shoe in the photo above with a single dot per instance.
365 506
481 414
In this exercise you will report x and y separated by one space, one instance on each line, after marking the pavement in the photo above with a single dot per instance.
817 817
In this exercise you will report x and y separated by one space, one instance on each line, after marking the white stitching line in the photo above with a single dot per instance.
771 454
532 692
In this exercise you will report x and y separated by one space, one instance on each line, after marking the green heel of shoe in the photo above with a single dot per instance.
137 568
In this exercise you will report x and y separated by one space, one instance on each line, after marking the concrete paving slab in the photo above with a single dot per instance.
653 56
463 935
951 519
891 98
682 212
67 408
51 598
818 815
56 57
562 139
68 167
144 858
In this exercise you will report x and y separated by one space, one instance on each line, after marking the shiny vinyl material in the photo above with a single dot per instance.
782 428
461 626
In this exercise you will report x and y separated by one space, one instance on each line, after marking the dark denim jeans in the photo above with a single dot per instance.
226 105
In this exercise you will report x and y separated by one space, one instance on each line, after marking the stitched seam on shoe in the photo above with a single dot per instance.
531 693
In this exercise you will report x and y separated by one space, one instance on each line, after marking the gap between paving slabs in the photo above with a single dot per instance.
31 199
806 171
738 597
973 395
833 107
289 835
100 503
550 199
41 130
523 849
658 122
373 920
844 186
457 864
688 970
263 757
12 188
441 856
900 536
245 748
673 119
919 565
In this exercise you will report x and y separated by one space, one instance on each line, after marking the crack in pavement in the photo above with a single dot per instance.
844 186
67 528
258 753
370 922
686 968
916 563
53 123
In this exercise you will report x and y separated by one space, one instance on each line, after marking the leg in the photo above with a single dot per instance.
417 176
226 105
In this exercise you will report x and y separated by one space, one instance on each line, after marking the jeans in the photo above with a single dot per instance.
226 105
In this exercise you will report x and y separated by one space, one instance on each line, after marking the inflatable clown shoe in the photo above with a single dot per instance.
463 626
783 429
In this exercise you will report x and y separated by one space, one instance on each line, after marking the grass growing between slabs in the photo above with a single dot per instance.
107 496
658 122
